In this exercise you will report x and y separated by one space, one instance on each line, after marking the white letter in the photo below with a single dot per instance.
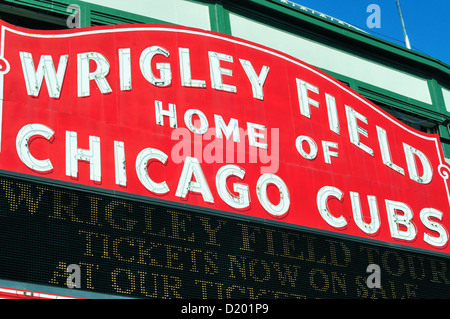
238 202
146 68
333 119
23 142
374 225
425 215
386 151
312 147
253 135
400 219
355 130
257 81
322 204
191 169
119 161
412 167
73 154
142 162
171 113
231 128
203 121
261 190
125 69
326 151
99 75
303 98
216 71
185 70
45 69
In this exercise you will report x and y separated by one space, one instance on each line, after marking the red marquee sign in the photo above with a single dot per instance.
210 120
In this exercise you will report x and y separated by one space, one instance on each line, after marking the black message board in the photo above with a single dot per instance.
136 248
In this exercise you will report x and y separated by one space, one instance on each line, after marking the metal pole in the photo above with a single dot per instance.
408 45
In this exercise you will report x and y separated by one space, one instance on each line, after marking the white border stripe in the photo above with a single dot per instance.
27 293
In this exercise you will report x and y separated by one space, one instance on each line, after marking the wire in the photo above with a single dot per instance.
369 31
408 119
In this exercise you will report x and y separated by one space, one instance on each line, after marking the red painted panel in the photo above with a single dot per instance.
340 164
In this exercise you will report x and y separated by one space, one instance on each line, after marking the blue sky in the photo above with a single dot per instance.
427 22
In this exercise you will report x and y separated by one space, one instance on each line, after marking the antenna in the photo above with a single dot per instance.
408 45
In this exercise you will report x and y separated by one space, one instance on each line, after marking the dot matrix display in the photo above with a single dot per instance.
136 248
